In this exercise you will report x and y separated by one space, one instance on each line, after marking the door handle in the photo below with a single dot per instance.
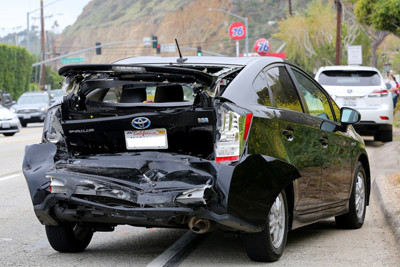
324 141
288 134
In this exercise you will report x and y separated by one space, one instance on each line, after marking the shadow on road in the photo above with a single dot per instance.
372 143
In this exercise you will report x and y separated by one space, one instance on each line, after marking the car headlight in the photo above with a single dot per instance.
13 109
43 108
52 129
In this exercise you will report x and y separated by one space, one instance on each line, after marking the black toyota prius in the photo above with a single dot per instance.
250 145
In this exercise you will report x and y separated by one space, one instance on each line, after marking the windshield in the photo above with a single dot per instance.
33 99
349 78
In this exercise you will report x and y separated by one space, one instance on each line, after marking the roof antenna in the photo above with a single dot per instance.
180 59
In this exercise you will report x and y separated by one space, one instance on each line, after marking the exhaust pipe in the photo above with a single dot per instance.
200 226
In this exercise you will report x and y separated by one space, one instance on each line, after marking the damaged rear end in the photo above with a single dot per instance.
151 146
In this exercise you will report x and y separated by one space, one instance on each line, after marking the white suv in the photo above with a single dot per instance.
361 88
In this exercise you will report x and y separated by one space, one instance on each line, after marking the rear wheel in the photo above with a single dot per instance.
268 245
69 237
384 136
354 219
23 123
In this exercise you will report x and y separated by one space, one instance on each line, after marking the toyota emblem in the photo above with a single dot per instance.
141 123
349 91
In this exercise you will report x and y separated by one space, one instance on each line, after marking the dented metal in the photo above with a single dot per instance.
146 188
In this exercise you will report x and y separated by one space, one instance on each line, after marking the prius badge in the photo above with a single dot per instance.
141 123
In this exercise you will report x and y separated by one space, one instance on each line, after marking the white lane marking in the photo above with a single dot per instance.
9 177
173 250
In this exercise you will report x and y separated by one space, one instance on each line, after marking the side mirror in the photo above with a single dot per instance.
349 116
388 86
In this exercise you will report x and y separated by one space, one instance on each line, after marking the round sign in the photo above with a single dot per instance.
237 31
262 46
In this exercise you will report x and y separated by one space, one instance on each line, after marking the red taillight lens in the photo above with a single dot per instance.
221 159
249 117
384 118
378 93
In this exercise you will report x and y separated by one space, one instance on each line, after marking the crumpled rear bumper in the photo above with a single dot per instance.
152 188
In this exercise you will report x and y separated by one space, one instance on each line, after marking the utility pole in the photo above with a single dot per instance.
43 72
290 7
338 30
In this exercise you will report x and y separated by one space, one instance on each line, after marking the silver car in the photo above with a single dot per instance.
361 88
9 122
32 107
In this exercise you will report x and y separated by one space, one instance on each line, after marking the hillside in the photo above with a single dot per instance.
189 21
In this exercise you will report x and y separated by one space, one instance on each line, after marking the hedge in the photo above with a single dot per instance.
15 69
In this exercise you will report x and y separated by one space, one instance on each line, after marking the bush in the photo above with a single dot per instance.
15 69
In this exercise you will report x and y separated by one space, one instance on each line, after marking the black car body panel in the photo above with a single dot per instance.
155 143
111 185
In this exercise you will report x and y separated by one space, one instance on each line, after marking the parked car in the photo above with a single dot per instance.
6 99
251 145
361 88
31 107
9 122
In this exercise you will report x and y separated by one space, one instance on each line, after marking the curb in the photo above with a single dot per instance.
383 193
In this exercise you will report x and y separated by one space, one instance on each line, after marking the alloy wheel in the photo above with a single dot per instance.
360 195
277 222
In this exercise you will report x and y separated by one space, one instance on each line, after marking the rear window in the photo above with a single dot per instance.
134 93
349 78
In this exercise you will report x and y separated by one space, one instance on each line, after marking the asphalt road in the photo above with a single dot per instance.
23 240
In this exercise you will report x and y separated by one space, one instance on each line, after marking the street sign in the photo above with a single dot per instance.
168 48
147 41
72 60
237 31
262 46
354 55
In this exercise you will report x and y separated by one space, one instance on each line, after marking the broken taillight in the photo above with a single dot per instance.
233 132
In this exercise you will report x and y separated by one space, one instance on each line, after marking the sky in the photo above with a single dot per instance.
13 14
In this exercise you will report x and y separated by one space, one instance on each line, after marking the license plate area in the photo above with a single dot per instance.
146 139
5 125
350 101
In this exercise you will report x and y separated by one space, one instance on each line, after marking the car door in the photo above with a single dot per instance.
299 135
334 144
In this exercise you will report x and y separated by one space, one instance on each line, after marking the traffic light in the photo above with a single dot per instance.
98 49
199 54
158 49
154 40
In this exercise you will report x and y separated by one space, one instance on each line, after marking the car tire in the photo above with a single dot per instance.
69 237
23 123
354 219
384 136
8 134
268 245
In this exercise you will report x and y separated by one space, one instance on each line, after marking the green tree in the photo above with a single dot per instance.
381 17
15 69
53 78
309 36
